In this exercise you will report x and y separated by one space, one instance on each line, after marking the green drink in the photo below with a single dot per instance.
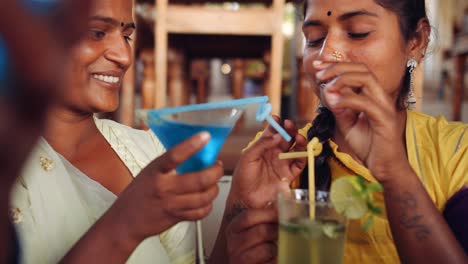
306 241
311 242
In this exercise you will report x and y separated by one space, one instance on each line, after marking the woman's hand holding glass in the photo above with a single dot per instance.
366 116
252 236
160 198
260 174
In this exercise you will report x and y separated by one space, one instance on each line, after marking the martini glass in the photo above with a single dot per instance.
174 125
173 128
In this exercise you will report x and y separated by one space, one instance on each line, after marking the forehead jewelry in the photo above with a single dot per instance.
337 56
329 13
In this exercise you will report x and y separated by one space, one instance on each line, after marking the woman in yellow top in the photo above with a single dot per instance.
360 56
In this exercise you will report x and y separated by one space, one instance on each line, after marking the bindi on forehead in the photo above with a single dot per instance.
329 13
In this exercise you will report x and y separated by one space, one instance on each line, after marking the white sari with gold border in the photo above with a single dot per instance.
54 203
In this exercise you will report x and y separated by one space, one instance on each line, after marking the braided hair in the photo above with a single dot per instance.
323 127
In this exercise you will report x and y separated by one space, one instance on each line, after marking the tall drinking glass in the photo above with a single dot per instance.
303 240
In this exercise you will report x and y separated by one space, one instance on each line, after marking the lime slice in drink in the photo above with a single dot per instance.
344 195
310 229
333 230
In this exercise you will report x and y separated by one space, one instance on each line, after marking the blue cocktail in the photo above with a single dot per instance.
174 125
173 128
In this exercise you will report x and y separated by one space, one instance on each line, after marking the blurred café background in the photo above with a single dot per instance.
194 51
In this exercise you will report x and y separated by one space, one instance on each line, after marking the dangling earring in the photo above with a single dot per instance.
412 64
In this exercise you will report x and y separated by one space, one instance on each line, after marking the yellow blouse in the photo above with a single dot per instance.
438 153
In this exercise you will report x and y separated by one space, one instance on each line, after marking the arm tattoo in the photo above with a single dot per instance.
409 218
236 210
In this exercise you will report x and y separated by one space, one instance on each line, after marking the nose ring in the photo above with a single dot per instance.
337 56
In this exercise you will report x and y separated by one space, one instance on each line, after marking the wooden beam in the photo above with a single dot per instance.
238 78
127 104
161 54
277 48
203 20
148 83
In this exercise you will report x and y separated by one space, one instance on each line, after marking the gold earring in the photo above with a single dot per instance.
337 56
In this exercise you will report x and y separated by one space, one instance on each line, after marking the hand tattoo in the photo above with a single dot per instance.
409 217
236 210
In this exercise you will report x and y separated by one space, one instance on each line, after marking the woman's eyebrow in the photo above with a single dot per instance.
349 15
341 18
311 23
113 22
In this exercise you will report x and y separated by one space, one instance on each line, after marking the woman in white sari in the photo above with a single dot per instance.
80 169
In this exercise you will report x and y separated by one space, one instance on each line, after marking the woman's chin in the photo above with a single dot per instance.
106 107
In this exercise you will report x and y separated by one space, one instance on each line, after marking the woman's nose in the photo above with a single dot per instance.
120 53
332 52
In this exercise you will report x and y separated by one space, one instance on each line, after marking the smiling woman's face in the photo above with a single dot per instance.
361 31
101 59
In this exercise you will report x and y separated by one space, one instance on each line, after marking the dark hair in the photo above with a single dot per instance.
409 12
322 127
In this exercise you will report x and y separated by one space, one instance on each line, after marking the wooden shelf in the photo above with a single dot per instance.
174 19
202 20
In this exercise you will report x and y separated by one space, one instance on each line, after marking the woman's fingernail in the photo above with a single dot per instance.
333 98
204 136
320 74
320 65
333 101
317 63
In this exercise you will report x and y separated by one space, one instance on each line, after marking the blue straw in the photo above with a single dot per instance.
263 112
210 106
278 128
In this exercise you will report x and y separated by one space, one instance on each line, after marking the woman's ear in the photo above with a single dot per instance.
420 41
